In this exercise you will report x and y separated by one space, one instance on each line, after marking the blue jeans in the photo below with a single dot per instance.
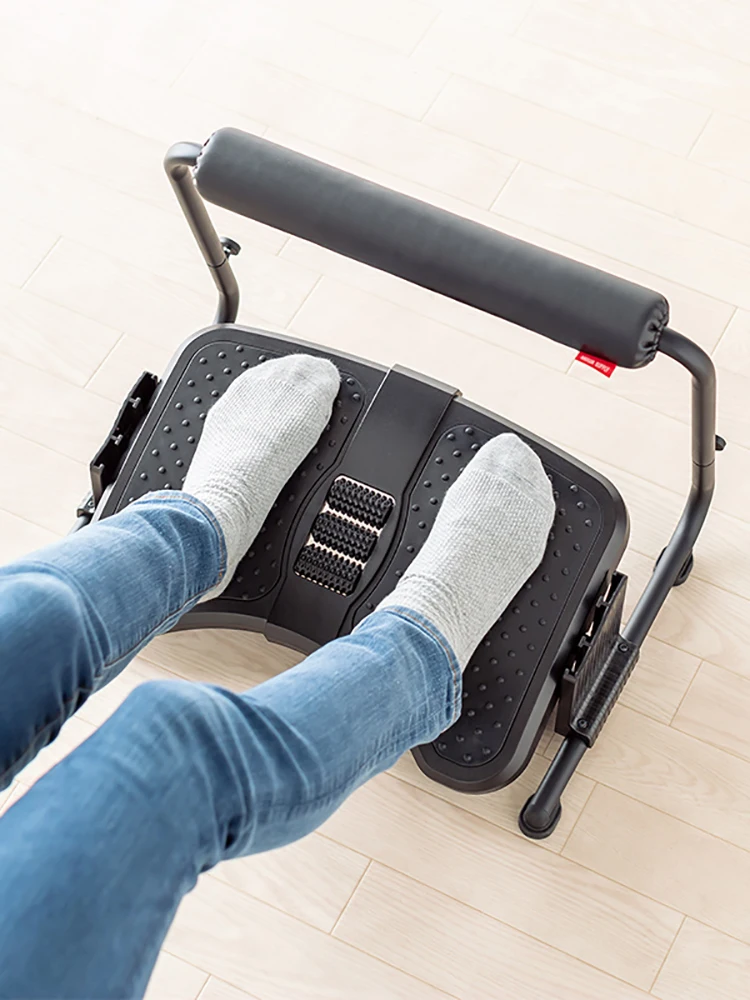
96 857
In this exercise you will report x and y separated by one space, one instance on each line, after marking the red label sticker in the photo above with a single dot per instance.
605 367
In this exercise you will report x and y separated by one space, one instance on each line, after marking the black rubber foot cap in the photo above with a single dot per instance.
533 832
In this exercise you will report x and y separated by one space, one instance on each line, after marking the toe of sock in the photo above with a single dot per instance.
510 458
317 377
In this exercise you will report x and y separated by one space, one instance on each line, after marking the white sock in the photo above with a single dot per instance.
255 436
488 538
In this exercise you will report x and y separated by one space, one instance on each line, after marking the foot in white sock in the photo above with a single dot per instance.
255 436
488 538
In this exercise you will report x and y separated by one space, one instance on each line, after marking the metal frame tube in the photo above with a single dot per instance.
680 546
539 816
179 163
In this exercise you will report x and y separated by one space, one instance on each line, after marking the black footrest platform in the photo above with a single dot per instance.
355 513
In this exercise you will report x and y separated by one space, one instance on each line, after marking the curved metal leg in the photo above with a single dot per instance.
542 811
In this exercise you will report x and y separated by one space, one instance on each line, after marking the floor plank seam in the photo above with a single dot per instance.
684 696
590 792
675 818
344 908
669 952
106 358
504 923
724 331
39 263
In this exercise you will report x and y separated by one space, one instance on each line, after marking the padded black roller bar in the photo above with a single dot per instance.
562 299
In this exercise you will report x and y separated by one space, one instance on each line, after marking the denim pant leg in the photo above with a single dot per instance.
73 614
95 858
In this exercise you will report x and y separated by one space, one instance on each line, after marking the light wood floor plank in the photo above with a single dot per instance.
19 537
704 963
50 411
422 931
660 680
665 387
698 617
108 699
716 710
108 291
674 772
23 248
595 156
399 24
618 931
40 485
681 252
733 351
117 374
234 659
173 979
273 956
717 26
52 338
311 879
724 145
321 53
720 553
617 104
638 53
216 989
353 127
661 860
64 73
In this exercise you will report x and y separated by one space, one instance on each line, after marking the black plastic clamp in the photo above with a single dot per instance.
106 463
593 684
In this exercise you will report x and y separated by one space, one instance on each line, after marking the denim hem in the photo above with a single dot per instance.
437 636
180 496
101 675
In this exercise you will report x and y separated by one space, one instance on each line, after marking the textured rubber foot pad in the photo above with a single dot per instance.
328 569
343 535
360 502
346 537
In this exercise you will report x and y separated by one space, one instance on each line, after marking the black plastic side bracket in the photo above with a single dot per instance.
588 692
590 688
106 463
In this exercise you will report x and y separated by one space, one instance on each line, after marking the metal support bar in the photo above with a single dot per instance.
178 163
541 813
680 547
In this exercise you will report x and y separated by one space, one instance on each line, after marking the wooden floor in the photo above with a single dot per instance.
615 132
